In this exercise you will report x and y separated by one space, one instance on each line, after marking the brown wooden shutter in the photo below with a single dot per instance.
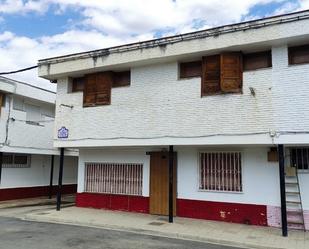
104 88
90 90
190 69
97 90
257 60
211 75
78 84
231 72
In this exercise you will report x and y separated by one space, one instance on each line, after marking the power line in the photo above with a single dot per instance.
18 71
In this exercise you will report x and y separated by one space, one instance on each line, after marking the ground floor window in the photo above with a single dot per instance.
300 158
220 171
114 178
16 160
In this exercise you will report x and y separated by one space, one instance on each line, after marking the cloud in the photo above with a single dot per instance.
20 6
113 22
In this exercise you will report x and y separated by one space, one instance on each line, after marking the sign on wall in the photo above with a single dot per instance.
63 132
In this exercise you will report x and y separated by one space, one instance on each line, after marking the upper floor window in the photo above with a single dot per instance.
2 100
121 79
257 60
299 54
222 73
96 87
78 84
190 69
220 171
33 114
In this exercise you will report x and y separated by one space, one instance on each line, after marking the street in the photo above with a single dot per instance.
19 234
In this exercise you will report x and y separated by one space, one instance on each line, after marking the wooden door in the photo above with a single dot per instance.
159 182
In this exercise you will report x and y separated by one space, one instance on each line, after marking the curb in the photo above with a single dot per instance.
182 236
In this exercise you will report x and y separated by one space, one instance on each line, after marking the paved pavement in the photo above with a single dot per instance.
18 234
143 225
237 235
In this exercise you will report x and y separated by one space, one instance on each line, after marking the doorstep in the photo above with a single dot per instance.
237 235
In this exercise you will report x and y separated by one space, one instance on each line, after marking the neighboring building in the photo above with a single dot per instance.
224 98
26 143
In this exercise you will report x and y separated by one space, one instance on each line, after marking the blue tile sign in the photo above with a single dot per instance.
63 132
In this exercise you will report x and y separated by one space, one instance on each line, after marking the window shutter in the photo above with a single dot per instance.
97 90
104 83
231 72
211 75
90 90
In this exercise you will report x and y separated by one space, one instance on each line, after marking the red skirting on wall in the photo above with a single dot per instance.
30 192
223 211
129 203
207 210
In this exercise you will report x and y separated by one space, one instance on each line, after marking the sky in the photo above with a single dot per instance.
35 29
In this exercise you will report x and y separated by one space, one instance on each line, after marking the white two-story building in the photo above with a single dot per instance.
30 163
218 104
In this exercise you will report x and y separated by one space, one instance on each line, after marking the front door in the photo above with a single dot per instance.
159 182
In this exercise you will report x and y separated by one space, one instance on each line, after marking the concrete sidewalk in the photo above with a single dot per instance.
191 229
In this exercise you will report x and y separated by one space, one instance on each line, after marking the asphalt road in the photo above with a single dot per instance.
19 234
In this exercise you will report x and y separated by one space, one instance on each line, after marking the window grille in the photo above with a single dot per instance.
16 161
220 171
114 178
300 158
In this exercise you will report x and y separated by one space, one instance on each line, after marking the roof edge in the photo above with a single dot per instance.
257 23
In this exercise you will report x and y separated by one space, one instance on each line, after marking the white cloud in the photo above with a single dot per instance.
112 22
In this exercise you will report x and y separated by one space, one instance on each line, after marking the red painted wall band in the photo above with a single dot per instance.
31 192
129 203
208 210
222 211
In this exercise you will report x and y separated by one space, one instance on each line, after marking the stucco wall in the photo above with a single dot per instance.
38 174
260 177
23 137
160 107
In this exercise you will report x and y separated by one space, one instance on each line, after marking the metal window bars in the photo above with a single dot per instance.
300 158
220 171
114 178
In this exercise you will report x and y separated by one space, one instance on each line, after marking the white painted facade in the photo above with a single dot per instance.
26 127
38 174
159 109
260 177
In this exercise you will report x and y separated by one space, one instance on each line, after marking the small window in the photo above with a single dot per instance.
190 69
220 171
78 84
300 158
222 73
257 60
16 161
299 55
114 178
121 79
33 114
